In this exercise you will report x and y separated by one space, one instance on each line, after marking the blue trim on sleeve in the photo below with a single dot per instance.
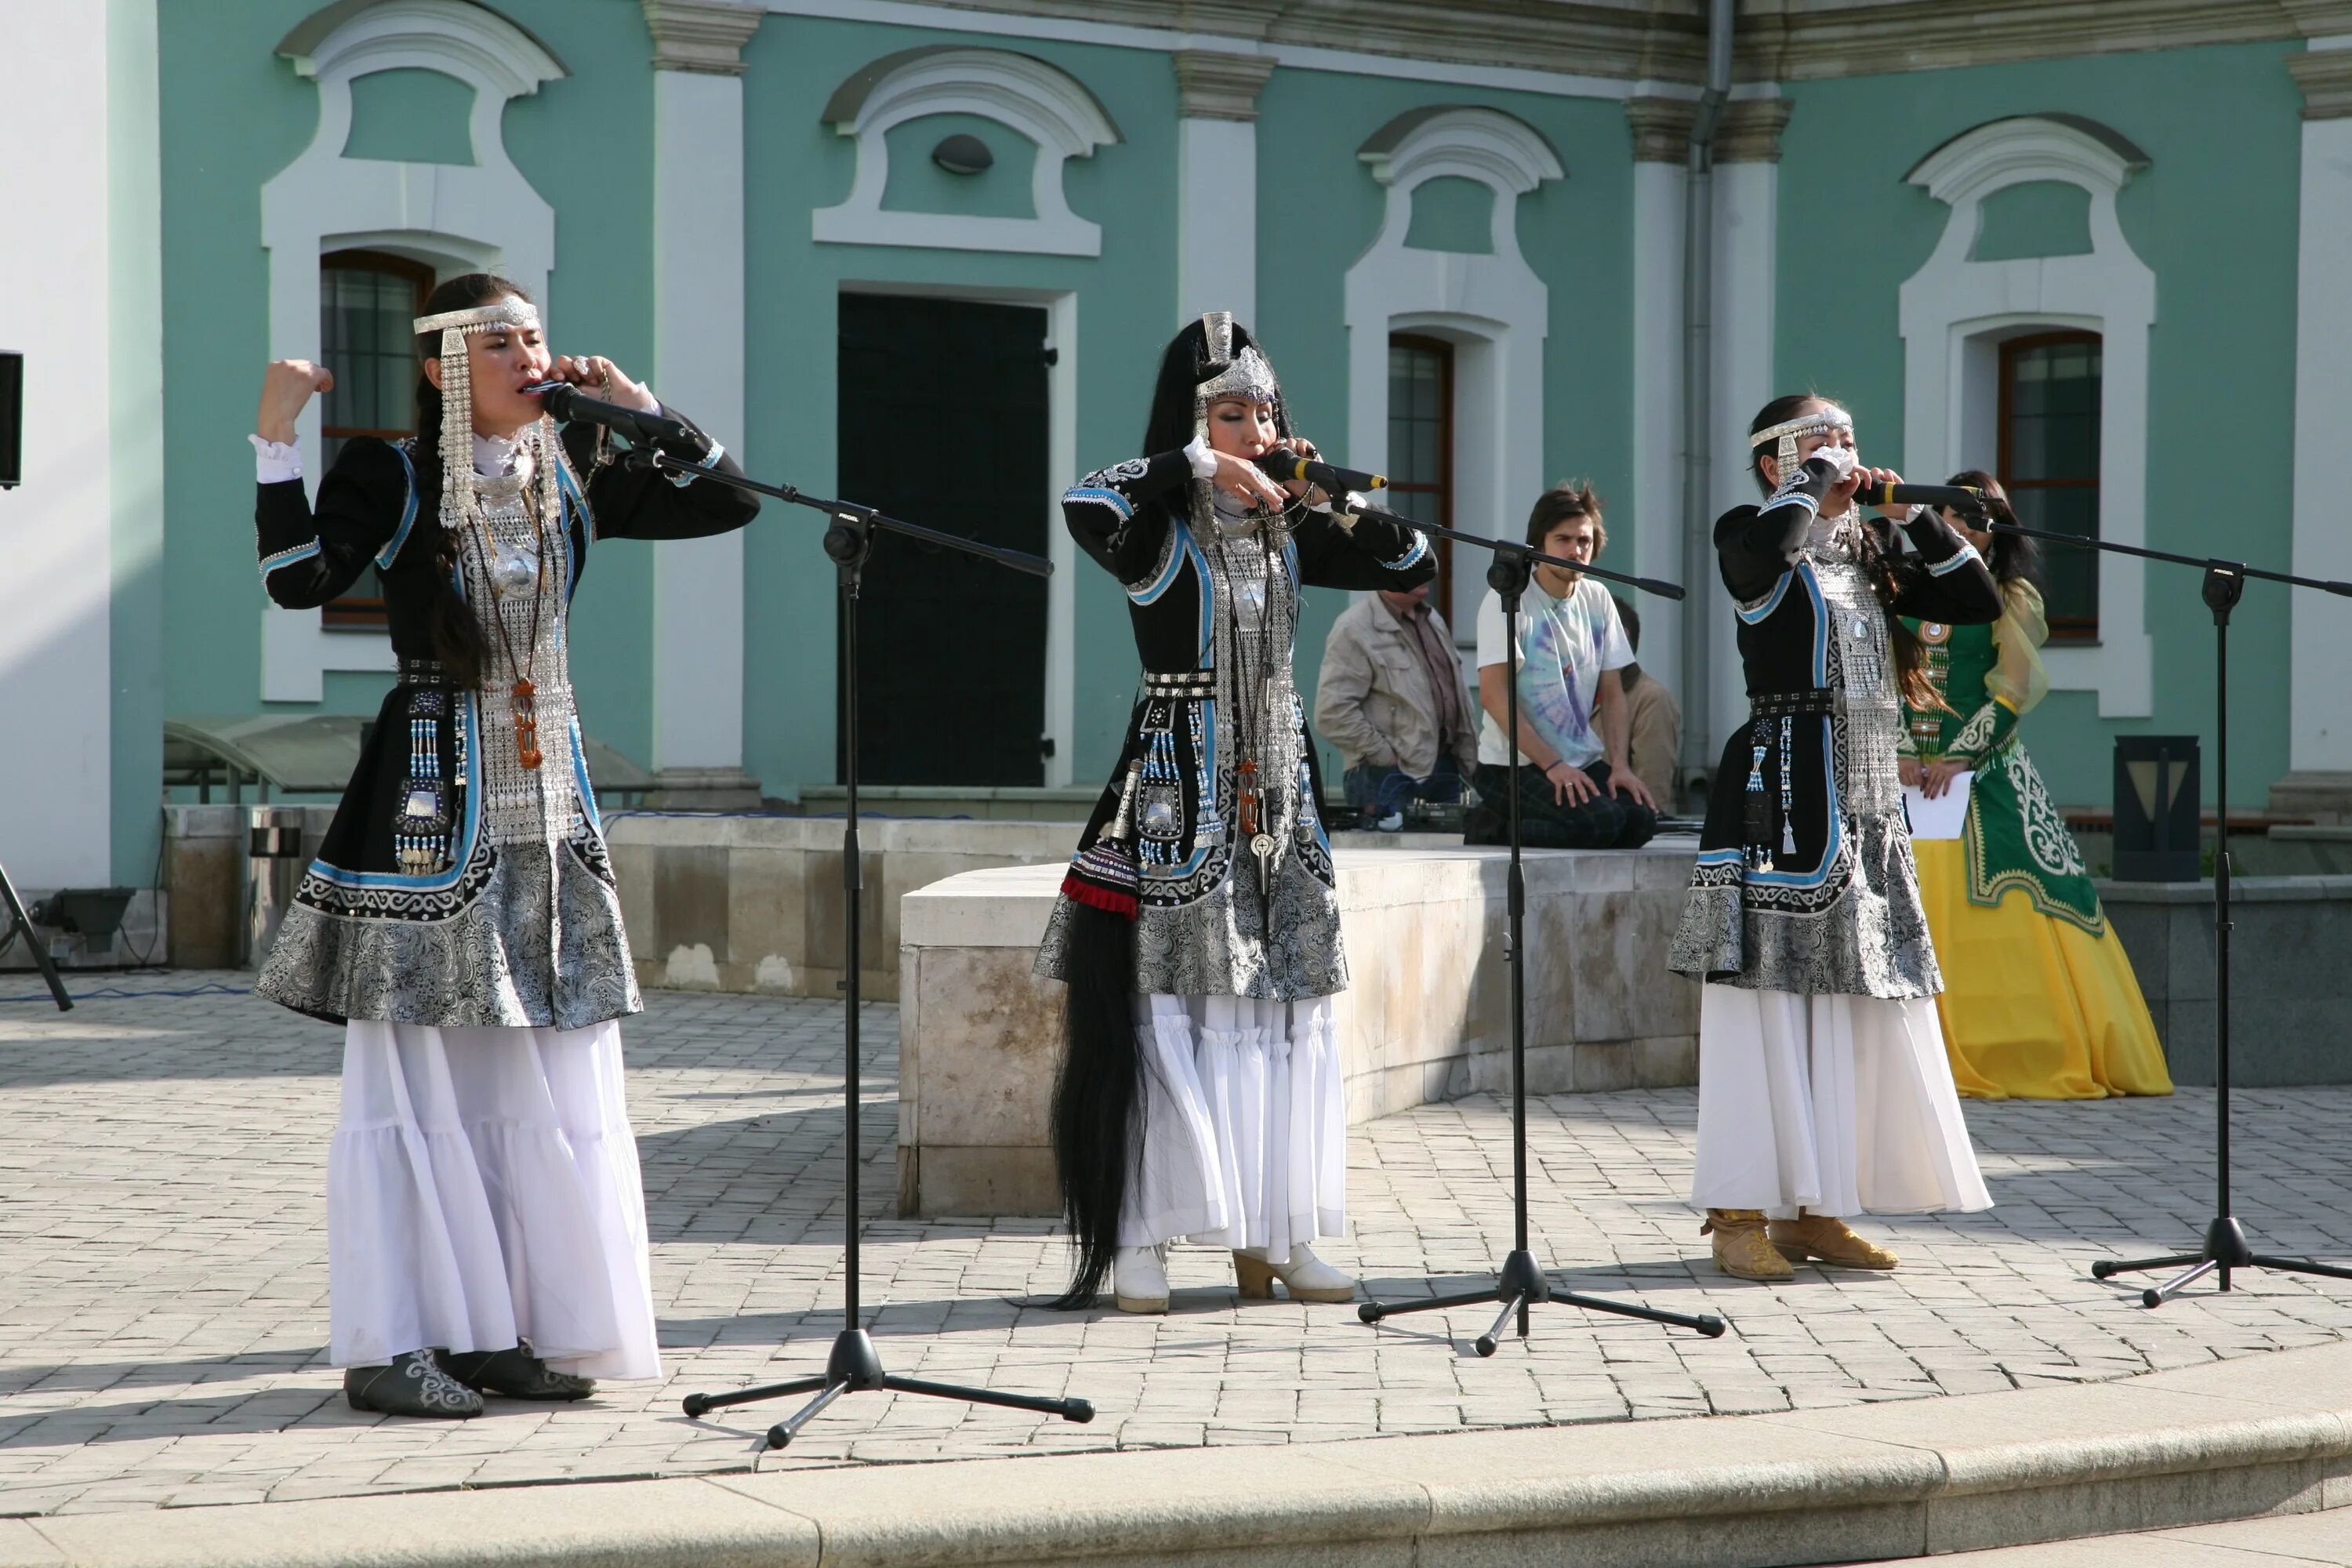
407 513
1772 601
287 557
1419 551
1179 550
1099 497
1968 553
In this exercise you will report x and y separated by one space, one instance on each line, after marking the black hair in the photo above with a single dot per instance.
456 635
1889 570
2015 557
1182 368
1632 620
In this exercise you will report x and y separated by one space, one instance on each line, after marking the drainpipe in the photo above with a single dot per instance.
1698 408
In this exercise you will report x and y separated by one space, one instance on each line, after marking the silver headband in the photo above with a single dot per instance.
1245 374
1827 420
507 310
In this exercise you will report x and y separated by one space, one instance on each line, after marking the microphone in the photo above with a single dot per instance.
1285 466
569 405
1959 498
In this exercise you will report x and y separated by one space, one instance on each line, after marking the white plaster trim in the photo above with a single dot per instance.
1654 508
1955 312
455 218
1041 101
1302 57
1493 308
1216 218
698 583
1744 310
2320 735
1061 470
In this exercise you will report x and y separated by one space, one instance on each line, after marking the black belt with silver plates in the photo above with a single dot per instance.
423 672
1185 683
1819 701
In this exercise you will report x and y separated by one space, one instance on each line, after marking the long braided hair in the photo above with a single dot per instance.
456 635
1889 571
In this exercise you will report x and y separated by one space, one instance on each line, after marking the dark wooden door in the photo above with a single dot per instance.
943 412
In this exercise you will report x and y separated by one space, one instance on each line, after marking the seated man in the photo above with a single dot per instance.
1391 698
1653 723
1577 789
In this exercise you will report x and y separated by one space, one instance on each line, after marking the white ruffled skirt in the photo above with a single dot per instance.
483 1187
1244 1124
1842 1105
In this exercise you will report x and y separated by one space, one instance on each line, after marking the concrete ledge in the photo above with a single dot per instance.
2255 1437
1426 1016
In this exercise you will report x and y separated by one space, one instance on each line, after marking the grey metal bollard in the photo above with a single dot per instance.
274 862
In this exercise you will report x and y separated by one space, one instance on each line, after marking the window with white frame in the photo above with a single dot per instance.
2050 463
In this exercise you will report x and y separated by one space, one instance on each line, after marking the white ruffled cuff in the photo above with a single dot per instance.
1203 461
275 462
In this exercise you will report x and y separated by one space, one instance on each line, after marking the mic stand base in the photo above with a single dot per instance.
2225 1250
855 1367
1519 1284
17 922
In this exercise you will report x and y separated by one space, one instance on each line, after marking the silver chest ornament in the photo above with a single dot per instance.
515 570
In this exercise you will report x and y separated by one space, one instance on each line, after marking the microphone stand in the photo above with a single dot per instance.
854 1366
2225 1247
18 920
1521 1284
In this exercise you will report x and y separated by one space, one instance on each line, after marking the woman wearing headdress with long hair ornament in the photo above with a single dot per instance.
1198 928
1823 1090
485 1215
2040 1000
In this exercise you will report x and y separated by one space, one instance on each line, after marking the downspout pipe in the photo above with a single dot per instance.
1698 757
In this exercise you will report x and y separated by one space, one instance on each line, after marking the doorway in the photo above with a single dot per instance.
943 422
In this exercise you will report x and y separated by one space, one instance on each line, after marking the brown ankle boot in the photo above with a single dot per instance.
1741 1249
1829 1239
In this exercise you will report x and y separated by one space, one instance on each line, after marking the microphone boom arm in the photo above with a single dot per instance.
1345 506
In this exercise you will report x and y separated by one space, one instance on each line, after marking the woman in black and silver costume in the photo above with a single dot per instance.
486 1218
1823 1086
1199 928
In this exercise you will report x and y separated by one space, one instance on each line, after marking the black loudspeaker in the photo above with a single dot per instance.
12 419
2158 837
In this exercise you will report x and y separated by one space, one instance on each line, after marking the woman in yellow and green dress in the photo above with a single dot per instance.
2039 1001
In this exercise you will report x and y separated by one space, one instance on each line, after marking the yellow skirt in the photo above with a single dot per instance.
2033 1008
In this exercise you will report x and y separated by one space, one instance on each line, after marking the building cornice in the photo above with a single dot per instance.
1213 84
2324 79
1664 41
1801 40
1662 128
705 35
1749 131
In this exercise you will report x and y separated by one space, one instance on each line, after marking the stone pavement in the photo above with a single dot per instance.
163 1271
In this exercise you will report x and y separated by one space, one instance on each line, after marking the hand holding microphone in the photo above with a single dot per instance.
1305 467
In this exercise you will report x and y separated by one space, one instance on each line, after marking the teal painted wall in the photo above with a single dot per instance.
134 443
412 117
2040 218
232 115
1450 212
794 164
2215 216
918 184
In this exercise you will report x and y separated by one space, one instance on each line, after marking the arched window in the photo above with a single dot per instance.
367 300
1420 445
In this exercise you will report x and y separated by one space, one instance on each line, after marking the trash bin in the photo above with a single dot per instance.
274 862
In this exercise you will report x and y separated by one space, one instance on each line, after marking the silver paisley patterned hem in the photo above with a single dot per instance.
1224 945
1871 940
537 948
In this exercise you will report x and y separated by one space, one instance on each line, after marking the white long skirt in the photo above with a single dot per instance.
482 1188
1842 1105
1244 1124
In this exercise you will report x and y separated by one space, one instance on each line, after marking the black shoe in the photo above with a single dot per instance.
414 1384
516 1373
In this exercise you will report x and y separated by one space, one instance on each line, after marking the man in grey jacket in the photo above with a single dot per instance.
1392 698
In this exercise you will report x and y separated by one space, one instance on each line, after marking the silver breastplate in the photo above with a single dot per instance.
521 805
1861 670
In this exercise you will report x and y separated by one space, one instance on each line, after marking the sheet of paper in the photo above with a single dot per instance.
1943 816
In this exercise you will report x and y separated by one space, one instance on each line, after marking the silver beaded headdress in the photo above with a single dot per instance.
1244 374
1827 420
459 500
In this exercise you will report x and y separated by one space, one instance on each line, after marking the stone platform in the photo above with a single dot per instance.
164 1397
1426 1017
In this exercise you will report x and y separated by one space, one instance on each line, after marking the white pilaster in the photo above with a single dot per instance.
55 532
1216 181
1660 134
2321 698
1747 225
697 674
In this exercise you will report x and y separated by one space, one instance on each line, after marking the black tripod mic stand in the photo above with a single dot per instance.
18 922
2225 1247
1521 1284
854 1366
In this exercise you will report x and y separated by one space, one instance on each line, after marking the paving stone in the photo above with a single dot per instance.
164 1282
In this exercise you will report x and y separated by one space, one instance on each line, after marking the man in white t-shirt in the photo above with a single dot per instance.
1576 789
